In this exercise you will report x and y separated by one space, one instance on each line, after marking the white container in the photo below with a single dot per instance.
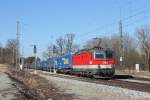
137 67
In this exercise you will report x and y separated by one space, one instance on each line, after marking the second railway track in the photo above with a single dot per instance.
143 87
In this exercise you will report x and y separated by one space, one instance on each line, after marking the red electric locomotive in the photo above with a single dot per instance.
95 62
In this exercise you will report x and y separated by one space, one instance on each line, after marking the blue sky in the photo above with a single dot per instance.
42 21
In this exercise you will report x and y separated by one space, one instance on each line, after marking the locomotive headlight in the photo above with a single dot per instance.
90 62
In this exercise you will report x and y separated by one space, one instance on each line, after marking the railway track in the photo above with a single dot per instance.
116 81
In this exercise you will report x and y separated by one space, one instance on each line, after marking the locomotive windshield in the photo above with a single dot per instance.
99 55
103 55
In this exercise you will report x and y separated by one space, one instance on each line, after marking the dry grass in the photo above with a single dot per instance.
38 87
3 67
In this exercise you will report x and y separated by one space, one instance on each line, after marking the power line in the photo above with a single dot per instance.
99 28
104 26
111 24
136 14
146 17
124 19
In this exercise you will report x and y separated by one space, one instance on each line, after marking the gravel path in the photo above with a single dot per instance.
7 90
92 91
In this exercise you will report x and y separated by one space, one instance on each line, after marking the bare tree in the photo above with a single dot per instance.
55 50
11 43
60 44
1 53
131 55
69 42
144 39
10 51
49 52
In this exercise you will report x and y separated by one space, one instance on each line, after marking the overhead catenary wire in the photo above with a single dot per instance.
116 23
140 19
99 28
136 14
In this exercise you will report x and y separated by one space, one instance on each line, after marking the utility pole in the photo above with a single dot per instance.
54 51
121 43
18 46
13 56
35 51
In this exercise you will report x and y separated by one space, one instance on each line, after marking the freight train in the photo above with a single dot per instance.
95 62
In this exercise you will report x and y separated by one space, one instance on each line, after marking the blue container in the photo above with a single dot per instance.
44 65
64 62
50 62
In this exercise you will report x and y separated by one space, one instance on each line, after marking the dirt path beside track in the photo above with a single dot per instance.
7 89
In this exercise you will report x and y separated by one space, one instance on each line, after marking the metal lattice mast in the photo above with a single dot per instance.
121 43
18 46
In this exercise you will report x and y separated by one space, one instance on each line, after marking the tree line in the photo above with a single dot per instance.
8 52
136 50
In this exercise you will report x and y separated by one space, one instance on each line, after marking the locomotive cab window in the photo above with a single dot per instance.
103 54
109 54
99 55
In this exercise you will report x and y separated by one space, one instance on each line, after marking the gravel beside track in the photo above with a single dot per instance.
144 87
95 89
